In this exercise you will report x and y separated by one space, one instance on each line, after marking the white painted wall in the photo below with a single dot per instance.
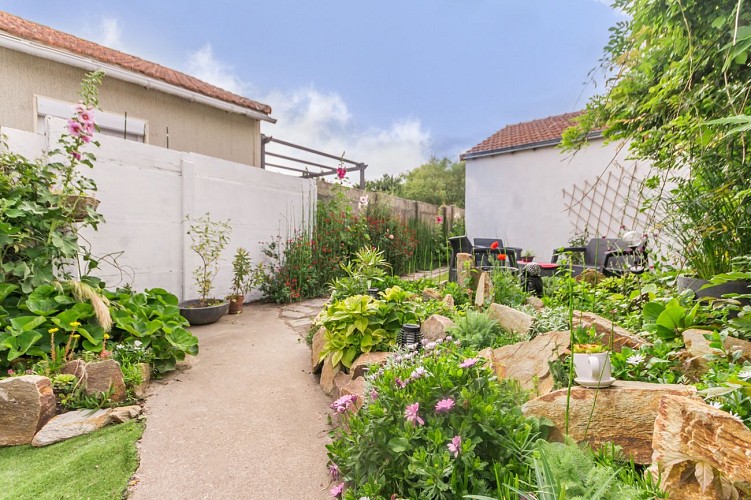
518 197
147 191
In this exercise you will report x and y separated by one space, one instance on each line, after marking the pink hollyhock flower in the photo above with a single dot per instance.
76 155
438 219
341 173
468 362
455 445
444 405
74 128
337 490
86 116
410 413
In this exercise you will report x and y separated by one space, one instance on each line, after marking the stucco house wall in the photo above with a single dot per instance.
519 196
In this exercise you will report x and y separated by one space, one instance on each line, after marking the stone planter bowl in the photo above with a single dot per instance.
202 315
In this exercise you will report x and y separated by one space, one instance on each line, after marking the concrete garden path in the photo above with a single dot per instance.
246 420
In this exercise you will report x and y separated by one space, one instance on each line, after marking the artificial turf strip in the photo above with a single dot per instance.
97 465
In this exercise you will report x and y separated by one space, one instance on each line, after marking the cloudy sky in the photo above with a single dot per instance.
390 82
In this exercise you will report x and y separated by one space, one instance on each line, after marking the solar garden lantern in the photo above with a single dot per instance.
373 292
410 336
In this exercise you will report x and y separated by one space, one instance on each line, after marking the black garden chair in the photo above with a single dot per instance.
610 256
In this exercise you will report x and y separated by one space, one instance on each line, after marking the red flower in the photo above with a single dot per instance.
494 245
502 257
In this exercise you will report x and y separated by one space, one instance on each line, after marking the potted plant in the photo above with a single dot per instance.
527 256
208 238
244 279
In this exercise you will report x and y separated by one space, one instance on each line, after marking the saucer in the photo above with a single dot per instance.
595 383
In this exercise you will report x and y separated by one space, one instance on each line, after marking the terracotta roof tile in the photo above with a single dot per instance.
28 30
526 134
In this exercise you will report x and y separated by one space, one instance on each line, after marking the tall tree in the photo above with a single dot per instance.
391 184
677 67
439 181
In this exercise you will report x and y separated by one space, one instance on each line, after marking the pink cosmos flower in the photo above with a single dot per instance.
455 445
400 383
341 173
444 405
373 394
468 362
337 490
11 372
410 413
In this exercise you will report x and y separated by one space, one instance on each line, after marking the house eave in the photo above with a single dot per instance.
89 64
521 147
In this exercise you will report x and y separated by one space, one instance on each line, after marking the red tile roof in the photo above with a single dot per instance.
545 131
28 30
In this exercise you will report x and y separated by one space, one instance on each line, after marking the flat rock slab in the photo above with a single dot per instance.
693 440
71 424
529 362
27 403
511 319
623 414
435 327
606 329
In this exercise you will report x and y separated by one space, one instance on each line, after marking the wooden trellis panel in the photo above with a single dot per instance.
608 205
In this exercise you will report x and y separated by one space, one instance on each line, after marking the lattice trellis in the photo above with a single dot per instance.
607 205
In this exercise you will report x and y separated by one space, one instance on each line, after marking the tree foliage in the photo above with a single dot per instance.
439 181
676 67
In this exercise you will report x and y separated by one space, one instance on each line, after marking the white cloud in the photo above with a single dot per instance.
204 65
322 121
109 34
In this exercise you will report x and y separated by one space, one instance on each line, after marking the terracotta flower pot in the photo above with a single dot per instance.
236 304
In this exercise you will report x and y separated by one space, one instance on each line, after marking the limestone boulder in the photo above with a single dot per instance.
448 301
435 327
98 376
355 387
71 424
605 328
464 265
123 414
698 348
27 403
140 390
700 451
484 290
328 374
431 294
535 302
315 350
511 319
101 376
365 361
529 362
623 413
341 380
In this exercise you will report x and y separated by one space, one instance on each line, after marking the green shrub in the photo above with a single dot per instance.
507 289
435 424
478 330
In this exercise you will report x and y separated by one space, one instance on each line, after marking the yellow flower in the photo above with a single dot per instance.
75 324
53 330
75 336
106 336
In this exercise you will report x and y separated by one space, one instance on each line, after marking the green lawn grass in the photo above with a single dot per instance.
96 465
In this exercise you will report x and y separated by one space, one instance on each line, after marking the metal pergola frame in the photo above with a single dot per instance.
305 172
